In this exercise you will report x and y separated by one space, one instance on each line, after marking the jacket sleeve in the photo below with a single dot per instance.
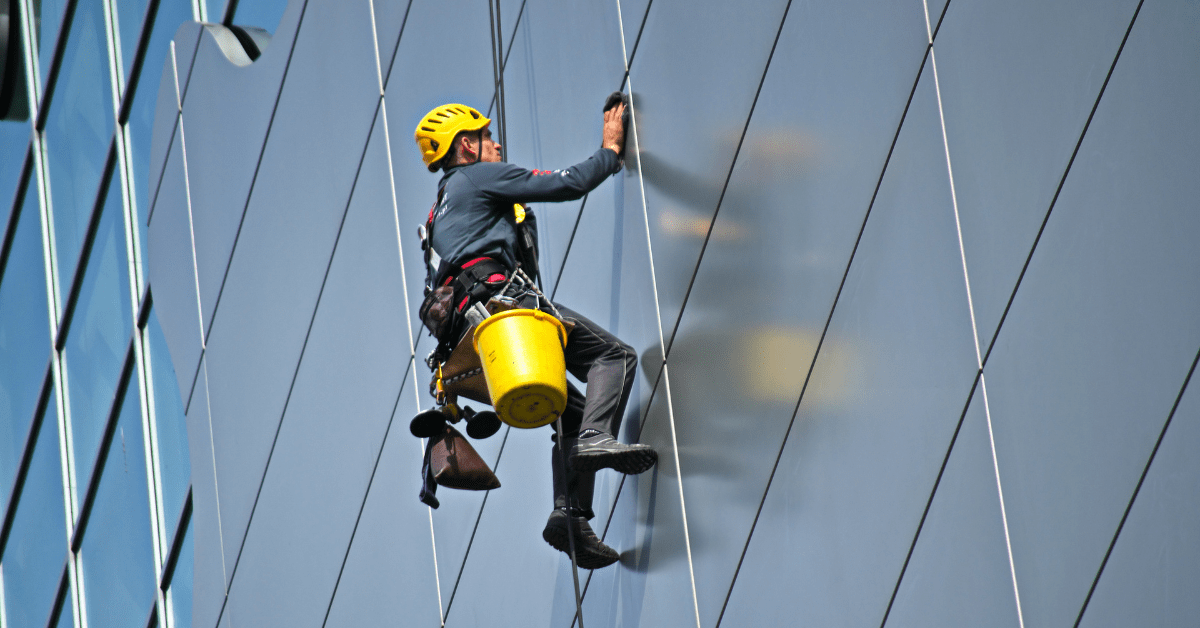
533 186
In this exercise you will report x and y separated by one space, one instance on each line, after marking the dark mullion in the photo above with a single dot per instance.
39 415
89 238
143 313
15 215
230 10
60 48
184 521
139 56
110 427
60 599
152 616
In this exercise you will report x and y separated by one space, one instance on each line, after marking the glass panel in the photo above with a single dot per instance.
130 14
171 424
117 552
180 591
98 337
35 555
66 615
48 16
14 145
78 133
216 10
264 14
24 340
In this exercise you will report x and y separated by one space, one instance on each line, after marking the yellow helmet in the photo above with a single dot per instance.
437 129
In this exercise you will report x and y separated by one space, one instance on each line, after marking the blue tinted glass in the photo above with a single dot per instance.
264 14
14 142
48 14
216 10
117 552
172 426
130 14
24 340
98 336
66 616
37 548
181 583
78 132
171 13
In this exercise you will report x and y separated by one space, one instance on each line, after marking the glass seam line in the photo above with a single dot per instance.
139 58
974 328
26 460
300 359
1137 489
1061 182
179 98
824 332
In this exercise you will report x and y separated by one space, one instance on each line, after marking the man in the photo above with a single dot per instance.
476 239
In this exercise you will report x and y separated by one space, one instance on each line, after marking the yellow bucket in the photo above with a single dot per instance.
522 356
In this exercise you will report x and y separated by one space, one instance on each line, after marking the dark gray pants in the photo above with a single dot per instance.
608 365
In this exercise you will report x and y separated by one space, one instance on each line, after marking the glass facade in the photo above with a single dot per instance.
913 286
94 476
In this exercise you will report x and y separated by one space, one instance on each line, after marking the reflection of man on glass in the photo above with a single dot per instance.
476 239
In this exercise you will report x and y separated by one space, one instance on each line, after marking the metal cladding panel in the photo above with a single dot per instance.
778 249
887 389
171 271
1151 576
959 572
1017 93
693 81
231 109
209 571
1103 331
339 410
286 240
390 563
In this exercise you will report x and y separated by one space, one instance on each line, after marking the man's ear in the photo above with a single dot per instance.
464 146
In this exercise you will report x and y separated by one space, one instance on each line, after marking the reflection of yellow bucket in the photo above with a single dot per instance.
522 355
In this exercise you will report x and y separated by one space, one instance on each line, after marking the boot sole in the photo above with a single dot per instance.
630 462
557 538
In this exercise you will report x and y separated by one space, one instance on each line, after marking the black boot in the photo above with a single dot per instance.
596 450
590 551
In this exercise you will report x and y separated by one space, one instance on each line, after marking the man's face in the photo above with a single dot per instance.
489 147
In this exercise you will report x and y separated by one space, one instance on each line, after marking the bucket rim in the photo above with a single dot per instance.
518 312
